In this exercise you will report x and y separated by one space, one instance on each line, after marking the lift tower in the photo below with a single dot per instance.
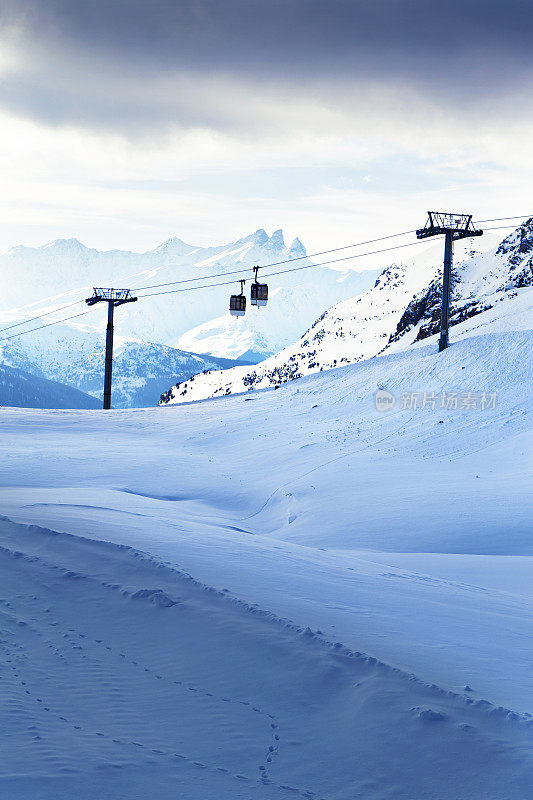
453 226
113 297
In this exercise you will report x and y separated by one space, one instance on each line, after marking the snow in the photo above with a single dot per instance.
402 307
282 594
237 254
229 336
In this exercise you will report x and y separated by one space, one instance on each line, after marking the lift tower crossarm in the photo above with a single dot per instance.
118 296
438 223
113 298
453 227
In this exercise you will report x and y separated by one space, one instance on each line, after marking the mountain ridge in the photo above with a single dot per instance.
75 359
20 389
402 308
65 270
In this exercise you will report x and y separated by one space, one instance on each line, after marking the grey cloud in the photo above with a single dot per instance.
240 33
110 62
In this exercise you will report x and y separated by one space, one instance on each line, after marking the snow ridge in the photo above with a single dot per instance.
162 599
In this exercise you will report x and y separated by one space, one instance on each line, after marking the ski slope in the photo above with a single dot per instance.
286 594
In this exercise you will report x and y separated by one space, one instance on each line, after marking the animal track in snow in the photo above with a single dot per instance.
78 642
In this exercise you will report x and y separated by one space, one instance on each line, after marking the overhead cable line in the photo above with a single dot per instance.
309 255
224 283
264 266
39 316
501 219
499 227
284 271
274 263
246 269
55 322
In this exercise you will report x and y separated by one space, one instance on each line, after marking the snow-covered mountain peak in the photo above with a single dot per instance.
391 277
174 246
518 250
260 237
276 241
57 246
296 248
65 246
520 240
402 308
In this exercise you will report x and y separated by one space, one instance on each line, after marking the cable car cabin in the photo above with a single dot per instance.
237 305
259 294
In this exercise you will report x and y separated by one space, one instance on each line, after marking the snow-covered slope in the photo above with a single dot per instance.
45 277
402 307
284 595
25 390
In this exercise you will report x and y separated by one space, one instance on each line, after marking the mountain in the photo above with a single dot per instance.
23 390
43 278
75 357
401 308
140 370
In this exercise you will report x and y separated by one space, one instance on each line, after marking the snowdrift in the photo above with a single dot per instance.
284 594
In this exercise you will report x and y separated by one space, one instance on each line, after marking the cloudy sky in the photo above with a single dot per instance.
127 121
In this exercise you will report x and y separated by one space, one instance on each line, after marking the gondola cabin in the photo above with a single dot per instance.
237 305
237 302
259 294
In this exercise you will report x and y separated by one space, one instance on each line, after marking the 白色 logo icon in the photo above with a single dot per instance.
384 400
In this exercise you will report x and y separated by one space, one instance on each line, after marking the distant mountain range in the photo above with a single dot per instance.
76 359
166 338
402 308
23 390
41 278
